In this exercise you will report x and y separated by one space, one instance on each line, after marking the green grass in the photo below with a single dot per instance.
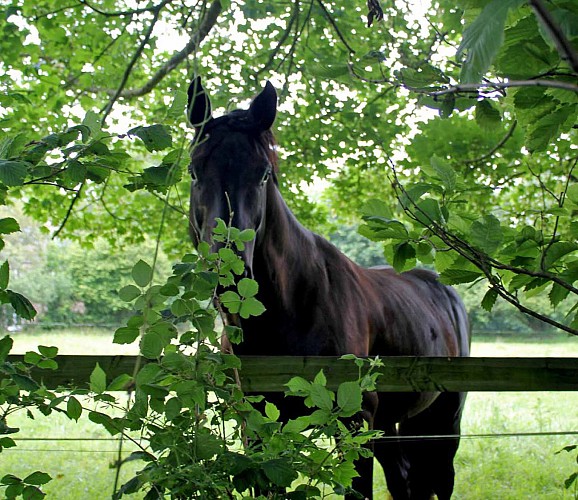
487 468
94 341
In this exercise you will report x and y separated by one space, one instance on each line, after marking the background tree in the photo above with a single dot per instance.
95 140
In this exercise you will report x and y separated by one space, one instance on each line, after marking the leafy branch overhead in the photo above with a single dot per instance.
95 141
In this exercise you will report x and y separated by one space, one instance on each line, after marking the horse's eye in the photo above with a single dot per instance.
193 174
266 176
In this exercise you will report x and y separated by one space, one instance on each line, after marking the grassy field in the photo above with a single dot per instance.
487 467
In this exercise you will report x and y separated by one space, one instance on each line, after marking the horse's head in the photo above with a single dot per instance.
232 162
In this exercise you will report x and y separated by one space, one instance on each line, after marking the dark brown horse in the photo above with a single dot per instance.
321 303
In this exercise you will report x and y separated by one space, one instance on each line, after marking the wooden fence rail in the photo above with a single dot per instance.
399 374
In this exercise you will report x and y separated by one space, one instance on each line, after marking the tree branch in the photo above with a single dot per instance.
294 18
108 108
56 11
475 87
563 45
69 211
329 17
195 41
483 262
122 13
503 141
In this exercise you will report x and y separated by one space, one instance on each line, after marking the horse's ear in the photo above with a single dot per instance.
199 105
264 108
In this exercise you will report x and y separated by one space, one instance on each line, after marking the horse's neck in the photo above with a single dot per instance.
285 253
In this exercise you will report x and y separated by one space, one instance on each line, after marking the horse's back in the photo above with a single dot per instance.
418 314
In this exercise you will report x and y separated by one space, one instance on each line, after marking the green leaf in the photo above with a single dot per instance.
298 386
569 448
92 120
178 107
152 345
234 334
181 307
76 171
169 290
344 473
272 411
73 408
557 294
10 479
423 77
320 378
14 490
444 172
155 138
572 193
32 358
9 225
25 382
84 130
11 147
570 480
125 335
142 273
129 293
556 251
279 471
247 288
546 129
489 300
231 301
483 38
13 173
376 207
444 260
104 420
120 383
328 71
173 408
349 397
247 235
402 253
297 425
447 105
98 380
48 364
487 234
6 442
321 397
6 344
428 211
378 228
147 374
22 306
48 351
32 493
457 276
251 307
4 275
487 116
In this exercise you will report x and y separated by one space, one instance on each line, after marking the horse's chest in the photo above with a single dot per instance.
271 337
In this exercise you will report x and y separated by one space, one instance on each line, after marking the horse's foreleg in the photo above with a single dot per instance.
431 468
389 454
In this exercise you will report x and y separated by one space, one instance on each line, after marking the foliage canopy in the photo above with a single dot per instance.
94 140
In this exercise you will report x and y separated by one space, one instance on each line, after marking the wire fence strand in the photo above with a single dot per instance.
436 437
